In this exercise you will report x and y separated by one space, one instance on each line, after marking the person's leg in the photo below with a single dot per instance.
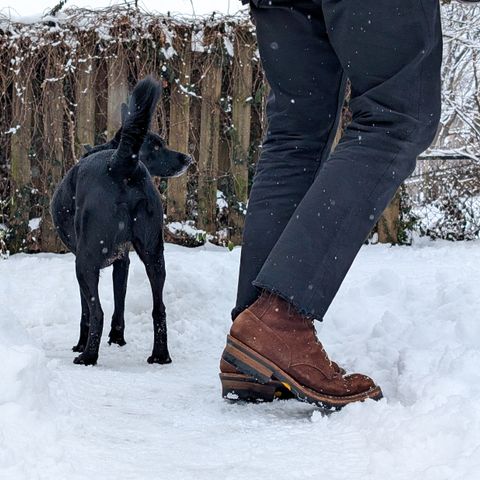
391 51
303 108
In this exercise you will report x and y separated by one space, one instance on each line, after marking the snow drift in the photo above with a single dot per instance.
27 434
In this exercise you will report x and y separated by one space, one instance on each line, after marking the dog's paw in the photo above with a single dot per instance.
85 359
79 348
160 359
117 338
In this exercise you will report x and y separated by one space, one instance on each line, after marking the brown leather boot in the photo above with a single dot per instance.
237 386
271 341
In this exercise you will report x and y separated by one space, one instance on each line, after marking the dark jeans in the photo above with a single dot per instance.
310 210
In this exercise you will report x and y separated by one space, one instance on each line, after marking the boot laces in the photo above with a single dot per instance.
319 343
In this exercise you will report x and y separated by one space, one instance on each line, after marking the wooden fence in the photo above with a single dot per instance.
62 85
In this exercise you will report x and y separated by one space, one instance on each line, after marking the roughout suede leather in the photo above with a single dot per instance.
276 331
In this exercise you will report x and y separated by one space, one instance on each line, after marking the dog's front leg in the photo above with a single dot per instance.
155 267
87 277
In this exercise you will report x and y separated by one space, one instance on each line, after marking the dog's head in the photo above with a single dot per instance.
154 154
160 160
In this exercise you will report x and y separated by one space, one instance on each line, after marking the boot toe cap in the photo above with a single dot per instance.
358 383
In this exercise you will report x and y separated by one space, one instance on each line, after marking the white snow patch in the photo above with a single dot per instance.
28 433
12 130
197 42
34 223
222 203
187 228
186 91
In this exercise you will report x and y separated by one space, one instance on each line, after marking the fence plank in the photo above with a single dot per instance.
241 119
85 99
389 221
101 100
117 90
178 137
53 103
20 156
209 141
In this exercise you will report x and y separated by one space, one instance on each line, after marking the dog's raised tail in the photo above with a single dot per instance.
135 127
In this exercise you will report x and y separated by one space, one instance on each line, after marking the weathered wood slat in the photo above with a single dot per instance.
85 99
53 103
241 119
209 141
117 90
101 100
178 138
388 223
20 155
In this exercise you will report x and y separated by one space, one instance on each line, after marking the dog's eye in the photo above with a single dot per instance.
157 147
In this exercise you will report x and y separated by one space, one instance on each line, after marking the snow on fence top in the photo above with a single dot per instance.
114 24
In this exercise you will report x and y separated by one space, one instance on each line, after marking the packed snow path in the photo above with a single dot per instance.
409 316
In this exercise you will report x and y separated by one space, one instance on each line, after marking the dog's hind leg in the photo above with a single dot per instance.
120 276
87 276
84 326
155 267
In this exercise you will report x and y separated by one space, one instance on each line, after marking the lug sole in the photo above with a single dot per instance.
249 362
244 388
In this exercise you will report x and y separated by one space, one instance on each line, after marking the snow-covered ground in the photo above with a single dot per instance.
409 316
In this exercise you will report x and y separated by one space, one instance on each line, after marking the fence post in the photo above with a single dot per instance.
85 99
53 102
117 90
20 156
178 137
241 118
209 142
388 222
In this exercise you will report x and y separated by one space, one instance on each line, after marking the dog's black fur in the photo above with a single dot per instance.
108 202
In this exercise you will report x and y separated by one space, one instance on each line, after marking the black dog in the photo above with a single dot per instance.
108 202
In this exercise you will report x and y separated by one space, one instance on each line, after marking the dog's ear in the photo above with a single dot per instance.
87 148
124 110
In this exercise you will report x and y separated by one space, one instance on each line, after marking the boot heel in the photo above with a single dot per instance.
237 356
241 390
